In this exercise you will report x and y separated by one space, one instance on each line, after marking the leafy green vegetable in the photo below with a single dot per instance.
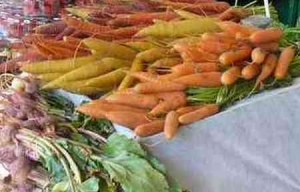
118 143
135 174
90 185
54 168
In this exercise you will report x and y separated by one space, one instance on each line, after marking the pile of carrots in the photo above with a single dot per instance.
158 102
146 54
120 21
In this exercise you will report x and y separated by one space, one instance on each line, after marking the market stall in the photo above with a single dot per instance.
90 90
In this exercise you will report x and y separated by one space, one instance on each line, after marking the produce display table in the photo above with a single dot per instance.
253 146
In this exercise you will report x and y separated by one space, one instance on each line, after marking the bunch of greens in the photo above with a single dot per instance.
79 154
77 164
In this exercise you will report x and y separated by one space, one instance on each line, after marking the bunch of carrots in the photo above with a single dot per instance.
158 103
146 54
118 21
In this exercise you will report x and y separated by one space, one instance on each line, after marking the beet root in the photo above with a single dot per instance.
7 154
19 170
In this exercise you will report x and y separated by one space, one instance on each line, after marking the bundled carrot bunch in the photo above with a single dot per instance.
240 51
158 102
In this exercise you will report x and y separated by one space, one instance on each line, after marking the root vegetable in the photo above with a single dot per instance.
157 87
180 28
187 109
134 100
258 55
230 76
285 59
272 47
266 36
57 66
234 56
250 71
127 118
19 170
208 79
190 68
98 108
205 111
267 68
171 124
149 129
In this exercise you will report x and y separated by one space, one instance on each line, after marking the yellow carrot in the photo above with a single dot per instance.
180 28
167 62
137 65
187 15
109 49
46 77
111 79
152 55
85 72
58 66
140 45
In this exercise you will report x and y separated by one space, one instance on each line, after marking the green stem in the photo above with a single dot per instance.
45 144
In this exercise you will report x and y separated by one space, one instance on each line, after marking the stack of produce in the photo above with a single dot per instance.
45 146
118 21
163 63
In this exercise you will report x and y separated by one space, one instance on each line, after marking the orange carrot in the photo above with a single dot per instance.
222 37
233 56
250 71
98 108
258 55
267 68
200 8
157 87
214 47
232 13
194 54
205 111
208 79
270 47
127 118
171 124
234 28
266 36
120 33
231 75
176 96
170 101
190 68
144 76
187 109
149 129
134 100
285 59
168 77
85 26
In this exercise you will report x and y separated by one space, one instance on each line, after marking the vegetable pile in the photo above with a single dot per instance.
44 146
153 64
